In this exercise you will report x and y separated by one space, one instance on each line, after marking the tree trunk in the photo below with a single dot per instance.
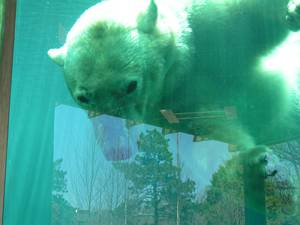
155 204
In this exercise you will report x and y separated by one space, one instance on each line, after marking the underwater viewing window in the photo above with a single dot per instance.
164 114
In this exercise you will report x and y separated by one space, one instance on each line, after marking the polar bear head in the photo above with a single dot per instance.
116 57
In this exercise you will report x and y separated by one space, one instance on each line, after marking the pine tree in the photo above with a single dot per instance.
155 181
62 211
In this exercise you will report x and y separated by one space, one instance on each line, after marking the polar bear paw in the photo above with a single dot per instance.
261 160
293 15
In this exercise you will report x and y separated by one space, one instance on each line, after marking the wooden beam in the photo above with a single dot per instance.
169 116
6 53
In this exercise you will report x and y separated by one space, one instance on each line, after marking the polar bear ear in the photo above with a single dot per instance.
57 55
146 21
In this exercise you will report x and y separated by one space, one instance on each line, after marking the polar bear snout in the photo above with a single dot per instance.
83 99
83 96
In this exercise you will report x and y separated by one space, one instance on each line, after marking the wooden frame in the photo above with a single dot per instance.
5 83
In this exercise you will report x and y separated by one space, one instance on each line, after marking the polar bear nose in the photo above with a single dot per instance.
83 96
83 99
131 87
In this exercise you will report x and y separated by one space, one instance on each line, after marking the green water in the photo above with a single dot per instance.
65 168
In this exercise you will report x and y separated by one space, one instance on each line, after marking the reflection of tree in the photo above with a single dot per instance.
156 186
290 152
86 175
113 193
62 212
224 203
59 179
98 188
153 189
280 202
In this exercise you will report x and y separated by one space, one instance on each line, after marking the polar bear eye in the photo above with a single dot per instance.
131 87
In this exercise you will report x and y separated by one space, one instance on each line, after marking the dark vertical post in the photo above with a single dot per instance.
178 176
254 194
6 56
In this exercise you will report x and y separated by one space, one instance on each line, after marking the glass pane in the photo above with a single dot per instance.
154 114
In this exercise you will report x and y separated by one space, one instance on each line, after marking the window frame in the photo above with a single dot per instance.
6 57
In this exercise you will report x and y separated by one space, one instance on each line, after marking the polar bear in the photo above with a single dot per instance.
134 58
